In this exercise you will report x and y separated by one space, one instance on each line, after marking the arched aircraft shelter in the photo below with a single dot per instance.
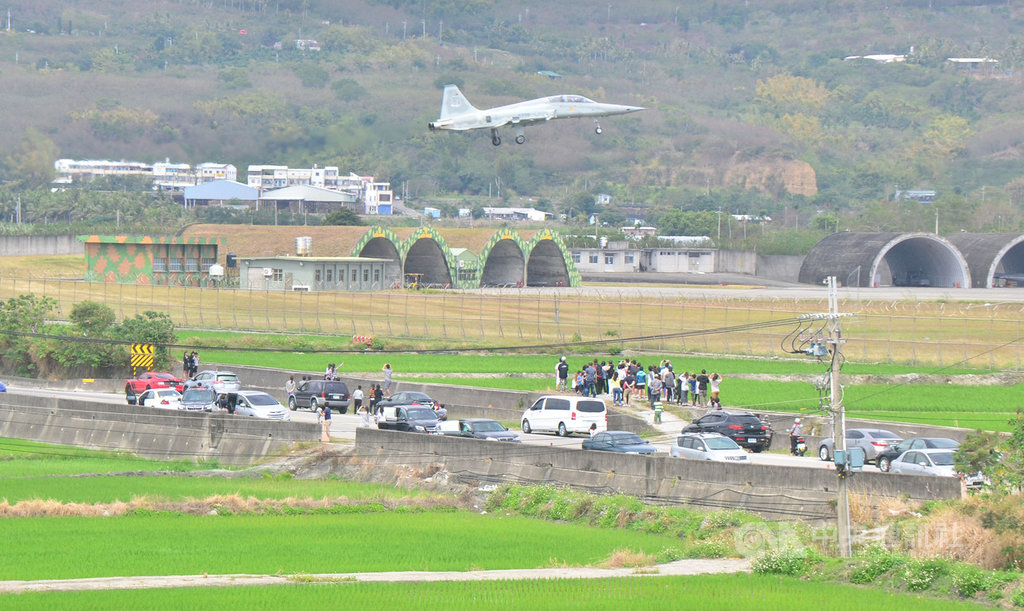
995 259
886 259
547 265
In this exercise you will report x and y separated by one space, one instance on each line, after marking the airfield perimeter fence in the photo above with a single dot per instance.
933 333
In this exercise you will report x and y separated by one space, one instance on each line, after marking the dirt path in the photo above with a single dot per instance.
679 567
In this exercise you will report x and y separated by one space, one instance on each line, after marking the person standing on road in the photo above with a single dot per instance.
387 379
378 396
683 388
628 386
357 399
289 388
702 387
641 382
324 416
795 432
654 388
561 375
668 382
716 386
590 376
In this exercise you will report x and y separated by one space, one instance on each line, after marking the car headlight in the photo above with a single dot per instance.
419 428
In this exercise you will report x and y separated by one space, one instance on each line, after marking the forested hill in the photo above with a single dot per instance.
753 108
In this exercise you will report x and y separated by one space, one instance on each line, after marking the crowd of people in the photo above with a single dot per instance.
628 380
190 364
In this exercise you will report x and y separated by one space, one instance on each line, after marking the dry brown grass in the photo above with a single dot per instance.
233 504
868 511
628 559
949 533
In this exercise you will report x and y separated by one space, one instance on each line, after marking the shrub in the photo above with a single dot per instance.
969 580
878 562
786 561
919 575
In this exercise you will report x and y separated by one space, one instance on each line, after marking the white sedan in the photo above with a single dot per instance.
260 405
925 462
708 446
166 398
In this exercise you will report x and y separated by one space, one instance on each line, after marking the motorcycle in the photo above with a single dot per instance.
801 446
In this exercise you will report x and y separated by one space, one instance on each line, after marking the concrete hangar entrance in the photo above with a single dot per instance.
995 259
508 260
886 259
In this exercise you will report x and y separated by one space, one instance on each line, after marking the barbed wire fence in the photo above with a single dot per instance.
940 334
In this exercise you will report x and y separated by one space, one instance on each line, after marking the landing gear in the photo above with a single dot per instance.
597 127
495 138
520 136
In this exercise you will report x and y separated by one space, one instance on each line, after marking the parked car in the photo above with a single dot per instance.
872 441
407 397
886 456
409 418
623 442
565 415
150 379
314 393
708 446
745 428
222 382
166 398
259 404
199 399
3 387
478 428
925 462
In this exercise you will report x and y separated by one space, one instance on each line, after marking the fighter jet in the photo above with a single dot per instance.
458 114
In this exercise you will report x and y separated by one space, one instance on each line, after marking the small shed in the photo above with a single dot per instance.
314 273
161 260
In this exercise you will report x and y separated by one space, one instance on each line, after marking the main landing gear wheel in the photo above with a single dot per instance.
496 140
597 130
520 139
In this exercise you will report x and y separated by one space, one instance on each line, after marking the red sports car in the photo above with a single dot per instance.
152 379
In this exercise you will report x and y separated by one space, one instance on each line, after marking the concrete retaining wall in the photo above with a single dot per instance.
779 267
777 493
22 245
150 432
737 262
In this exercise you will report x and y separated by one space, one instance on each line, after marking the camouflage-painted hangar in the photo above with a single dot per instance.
916 259
424 256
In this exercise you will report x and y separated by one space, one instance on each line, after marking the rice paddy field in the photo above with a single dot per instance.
702 593
319 532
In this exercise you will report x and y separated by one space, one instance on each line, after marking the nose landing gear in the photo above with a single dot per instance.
495 138
597 127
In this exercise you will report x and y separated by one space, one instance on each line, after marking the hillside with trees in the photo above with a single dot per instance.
752 107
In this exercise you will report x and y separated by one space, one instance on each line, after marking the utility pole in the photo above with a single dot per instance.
835 340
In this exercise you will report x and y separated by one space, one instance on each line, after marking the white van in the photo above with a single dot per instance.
565 415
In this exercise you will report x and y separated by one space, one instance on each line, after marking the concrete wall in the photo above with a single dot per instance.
22 245
771 491
737 262
150 432
779 267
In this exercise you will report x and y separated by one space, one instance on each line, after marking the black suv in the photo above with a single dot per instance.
744 428
314 393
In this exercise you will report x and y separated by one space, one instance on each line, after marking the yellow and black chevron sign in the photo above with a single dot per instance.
142 357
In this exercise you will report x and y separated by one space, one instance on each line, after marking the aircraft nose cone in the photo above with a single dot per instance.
634 108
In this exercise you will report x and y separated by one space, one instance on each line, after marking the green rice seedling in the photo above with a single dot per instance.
696 593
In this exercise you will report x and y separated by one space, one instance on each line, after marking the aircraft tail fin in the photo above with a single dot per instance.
454 103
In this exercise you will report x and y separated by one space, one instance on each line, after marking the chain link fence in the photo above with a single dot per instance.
926 333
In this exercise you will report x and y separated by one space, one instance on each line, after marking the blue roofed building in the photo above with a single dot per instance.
219 193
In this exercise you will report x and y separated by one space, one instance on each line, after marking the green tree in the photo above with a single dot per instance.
31 166
1000 458
688 222
92 318
342 216
19 316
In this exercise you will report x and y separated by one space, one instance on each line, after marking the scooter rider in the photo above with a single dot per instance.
795 433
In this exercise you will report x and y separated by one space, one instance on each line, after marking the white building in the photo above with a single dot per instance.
165 174
377 197
663 260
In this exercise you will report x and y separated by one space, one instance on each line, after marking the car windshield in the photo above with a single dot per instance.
746 419
262 399
167 394
627 439
165 376
197 395
721 443
227 377
590 407
487 427
883 434
417 397
945 444
942 458
422 413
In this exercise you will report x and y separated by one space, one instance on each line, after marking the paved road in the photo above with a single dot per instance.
343 429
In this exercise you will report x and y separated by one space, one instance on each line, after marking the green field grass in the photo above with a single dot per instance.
20 458
703 593
349 540
108 489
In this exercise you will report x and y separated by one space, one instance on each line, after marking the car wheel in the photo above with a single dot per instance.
756 449
823 453
312 405
526 427
562 432
342 410
291 403
884 464
130 396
